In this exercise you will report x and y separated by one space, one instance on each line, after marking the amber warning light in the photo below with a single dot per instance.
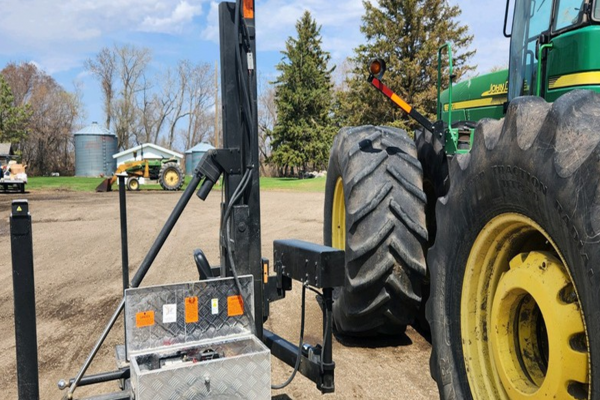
377 68
249 9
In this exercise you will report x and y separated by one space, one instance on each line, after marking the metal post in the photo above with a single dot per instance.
24 300
327 354
124 245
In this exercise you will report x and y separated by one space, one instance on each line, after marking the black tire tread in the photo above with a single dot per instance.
161 175
385 229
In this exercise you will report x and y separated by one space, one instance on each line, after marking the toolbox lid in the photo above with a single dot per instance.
157 317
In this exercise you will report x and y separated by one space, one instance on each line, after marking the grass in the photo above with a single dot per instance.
81 184
293 184
60 183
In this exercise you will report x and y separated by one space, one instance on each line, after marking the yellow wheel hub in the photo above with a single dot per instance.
171 177
338 217
134 184
523 334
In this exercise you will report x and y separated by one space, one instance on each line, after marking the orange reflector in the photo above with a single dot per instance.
401 103
265 273
249 9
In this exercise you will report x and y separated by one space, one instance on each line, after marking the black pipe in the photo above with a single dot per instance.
166 230
98 378
328 385
124 245
24 300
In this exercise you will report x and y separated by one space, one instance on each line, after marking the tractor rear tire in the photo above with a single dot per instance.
375 210
515 268
170 176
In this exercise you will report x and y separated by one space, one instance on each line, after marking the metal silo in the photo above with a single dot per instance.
94 148
193 156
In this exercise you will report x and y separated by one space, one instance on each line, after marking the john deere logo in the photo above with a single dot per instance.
496 89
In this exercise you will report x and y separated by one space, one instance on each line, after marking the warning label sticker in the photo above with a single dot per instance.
214 306
144 318
169 313
235 306
191 310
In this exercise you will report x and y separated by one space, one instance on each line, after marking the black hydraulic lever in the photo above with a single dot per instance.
213 163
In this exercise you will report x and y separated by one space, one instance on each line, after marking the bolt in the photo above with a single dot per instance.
62 384
242 226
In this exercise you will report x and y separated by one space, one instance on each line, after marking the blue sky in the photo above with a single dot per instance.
59 35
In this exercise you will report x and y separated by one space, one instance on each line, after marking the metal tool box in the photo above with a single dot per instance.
195 341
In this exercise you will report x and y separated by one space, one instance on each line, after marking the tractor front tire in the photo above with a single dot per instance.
515 268
375 210
170 176
133 184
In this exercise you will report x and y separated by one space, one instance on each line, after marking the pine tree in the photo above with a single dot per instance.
13 119
407 35
303 133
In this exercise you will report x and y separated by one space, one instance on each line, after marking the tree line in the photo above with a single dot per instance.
38 116
299 112
311 108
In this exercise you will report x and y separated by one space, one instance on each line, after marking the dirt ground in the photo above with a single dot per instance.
76 238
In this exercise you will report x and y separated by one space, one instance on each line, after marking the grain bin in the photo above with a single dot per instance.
94 148
193 156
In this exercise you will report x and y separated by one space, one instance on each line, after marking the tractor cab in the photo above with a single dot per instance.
551 46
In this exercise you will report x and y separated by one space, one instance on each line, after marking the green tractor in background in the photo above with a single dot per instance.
501 196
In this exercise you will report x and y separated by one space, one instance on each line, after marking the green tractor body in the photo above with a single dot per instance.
563 35
476 98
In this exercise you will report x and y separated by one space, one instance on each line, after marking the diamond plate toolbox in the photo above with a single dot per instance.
195 341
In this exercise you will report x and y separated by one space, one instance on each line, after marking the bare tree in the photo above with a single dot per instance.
104 67
131 63
22 79
199 96
267 118
182 76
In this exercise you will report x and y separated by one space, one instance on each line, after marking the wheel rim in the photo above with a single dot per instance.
134 184
338 217
523 333
171 177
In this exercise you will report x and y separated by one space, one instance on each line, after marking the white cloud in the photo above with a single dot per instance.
211 31
181 15
340 22
46 22
58 34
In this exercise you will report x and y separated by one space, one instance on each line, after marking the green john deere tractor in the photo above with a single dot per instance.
501 196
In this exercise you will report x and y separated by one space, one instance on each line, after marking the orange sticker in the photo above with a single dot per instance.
144 318
235 306
191 310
